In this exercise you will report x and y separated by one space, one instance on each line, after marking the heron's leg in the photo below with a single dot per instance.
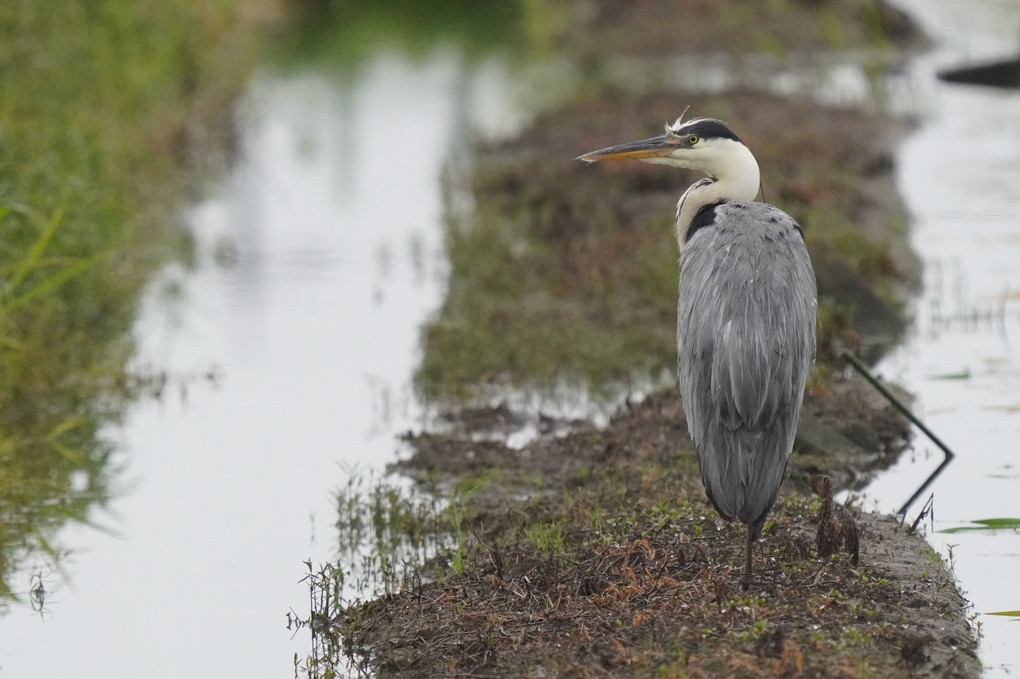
748 577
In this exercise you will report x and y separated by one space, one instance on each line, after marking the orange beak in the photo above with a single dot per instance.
656 147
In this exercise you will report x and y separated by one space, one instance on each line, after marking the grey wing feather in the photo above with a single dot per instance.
746 340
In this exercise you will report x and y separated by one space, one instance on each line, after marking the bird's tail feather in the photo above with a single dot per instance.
742 471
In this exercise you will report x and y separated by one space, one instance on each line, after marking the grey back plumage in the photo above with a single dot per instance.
745 339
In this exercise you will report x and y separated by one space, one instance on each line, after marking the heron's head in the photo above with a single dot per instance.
703 144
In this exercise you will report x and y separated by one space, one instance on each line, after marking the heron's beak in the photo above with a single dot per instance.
656 147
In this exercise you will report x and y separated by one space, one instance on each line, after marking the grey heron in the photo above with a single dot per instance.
745 318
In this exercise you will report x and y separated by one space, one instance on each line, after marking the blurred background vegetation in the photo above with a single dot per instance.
101 107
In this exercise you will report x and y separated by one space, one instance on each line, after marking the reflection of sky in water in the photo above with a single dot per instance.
318 261
960 176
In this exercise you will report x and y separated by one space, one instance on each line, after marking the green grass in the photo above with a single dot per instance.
1013 614
383 527
985 525
99 107
547 538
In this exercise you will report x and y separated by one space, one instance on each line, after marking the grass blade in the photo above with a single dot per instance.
53 282
38 248
986 524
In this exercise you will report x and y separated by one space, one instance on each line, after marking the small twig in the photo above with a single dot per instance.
926 510
416 578
834 535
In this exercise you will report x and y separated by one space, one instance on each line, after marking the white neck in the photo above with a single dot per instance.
733 175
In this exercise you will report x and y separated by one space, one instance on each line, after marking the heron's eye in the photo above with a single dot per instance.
693 139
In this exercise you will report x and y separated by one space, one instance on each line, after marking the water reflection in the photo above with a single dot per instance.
316 262
961 358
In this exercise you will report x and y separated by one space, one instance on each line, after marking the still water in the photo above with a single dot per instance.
319 259
960 177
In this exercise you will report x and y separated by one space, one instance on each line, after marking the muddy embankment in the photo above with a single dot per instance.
592 551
